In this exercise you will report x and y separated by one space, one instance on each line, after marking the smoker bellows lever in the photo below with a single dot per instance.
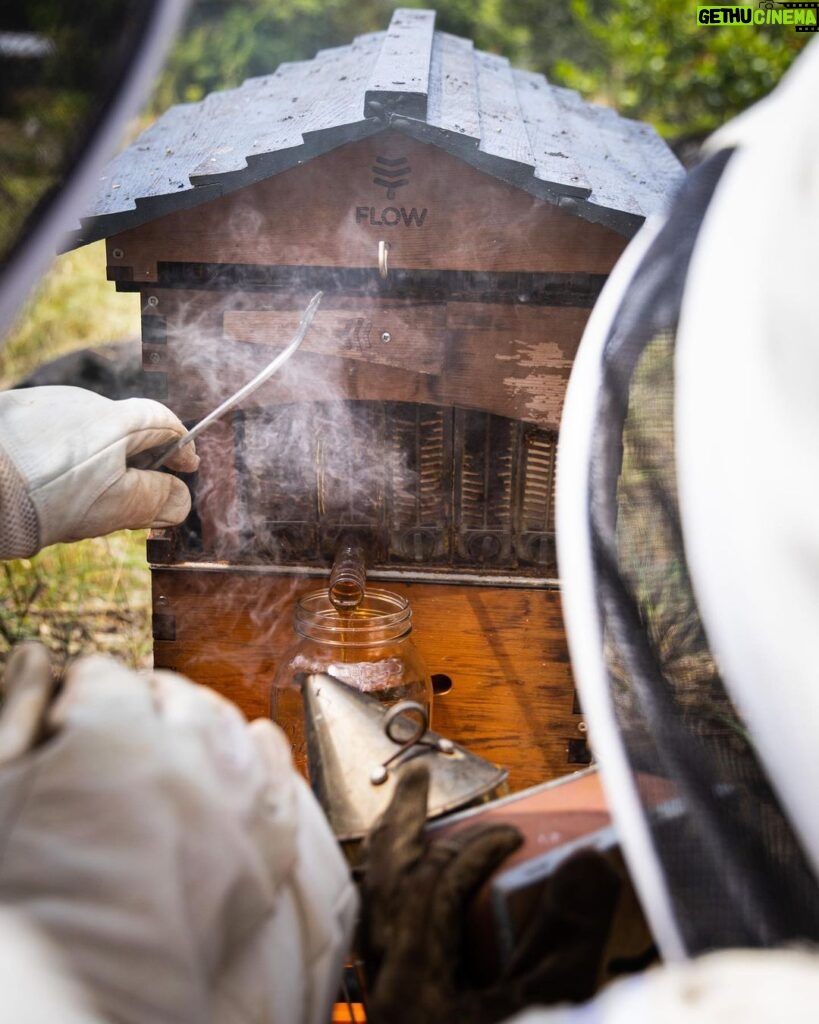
247 389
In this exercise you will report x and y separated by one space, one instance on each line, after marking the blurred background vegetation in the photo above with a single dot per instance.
647 58
94 595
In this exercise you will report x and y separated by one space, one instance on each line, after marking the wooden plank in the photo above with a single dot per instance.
331 213
552 147
516 356
394 332
238 124
454 103
400 78
602 167
642 159
218 491
512 695
502 388
511 360
271 114
503 130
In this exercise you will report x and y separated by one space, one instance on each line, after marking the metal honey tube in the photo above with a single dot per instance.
348 577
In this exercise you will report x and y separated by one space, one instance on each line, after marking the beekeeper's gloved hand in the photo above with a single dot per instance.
64 471
416 897
170 851
414 904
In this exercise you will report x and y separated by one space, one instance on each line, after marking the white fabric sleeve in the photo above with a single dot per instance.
36 987
19 528
174 857
751 986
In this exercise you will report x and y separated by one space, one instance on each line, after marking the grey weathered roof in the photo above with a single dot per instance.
434 86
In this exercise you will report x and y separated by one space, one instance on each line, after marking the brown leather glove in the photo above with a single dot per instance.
415 898
414 903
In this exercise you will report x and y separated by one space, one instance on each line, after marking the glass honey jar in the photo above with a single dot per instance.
368 647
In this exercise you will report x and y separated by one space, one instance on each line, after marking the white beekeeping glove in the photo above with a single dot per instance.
172 854
36 987
64 471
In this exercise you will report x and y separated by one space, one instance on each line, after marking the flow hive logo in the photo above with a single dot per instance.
803 15
391 174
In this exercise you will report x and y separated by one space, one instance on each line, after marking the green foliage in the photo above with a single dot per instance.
48 104
654 62
648 58
226 42
74 307
79 598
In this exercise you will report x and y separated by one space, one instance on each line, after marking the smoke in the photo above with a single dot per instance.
301 461
298 466
367 428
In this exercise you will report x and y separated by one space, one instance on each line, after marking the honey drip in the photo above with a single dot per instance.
348 578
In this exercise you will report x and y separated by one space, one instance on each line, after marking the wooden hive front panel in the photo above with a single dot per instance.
450 374
511 700
331 212
510 360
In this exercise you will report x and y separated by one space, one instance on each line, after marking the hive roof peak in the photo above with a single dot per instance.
436 87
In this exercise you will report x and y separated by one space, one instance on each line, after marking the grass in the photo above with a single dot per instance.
73 308
93 595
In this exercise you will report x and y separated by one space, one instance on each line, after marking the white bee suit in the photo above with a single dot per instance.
174 858
746 423
751 986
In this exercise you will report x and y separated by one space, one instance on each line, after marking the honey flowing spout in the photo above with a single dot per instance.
348 578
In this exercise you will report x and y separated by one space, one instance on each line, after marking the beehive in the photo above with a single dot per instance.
461 217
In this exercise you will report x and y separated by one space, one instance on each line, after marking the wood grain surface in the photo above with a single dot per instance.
510 360
330 212
512 697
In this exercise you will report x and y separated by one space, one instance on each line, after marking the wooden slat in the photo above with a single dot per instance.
218 495
591 152
415 332
505 389
512 697
516 356
511 360
503 130
454 103
400 77
552 147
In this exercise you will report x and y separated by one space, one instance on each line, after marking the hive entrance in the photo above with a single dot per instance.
423 484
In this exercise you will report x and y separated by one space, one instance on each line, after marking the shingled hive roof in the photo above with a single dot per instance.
433 86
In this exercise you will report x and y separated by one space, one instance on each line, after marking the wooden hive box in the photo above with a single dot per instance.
461 217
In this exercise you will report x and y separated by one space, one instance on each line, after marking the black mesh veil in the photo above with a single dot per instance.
734 872
71 75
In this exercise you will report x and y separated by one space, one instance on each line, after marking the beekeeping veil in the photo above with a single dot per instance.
688 537
71 76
